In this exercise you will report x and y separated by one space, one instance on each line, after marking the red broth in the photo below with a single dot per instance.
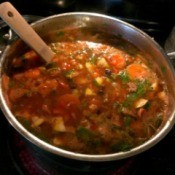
96 96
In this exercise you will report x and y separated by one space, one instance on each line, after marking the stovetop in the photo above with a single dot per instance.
155 17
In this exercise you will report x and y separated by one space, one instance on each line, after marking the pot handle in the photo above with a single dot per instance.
6 37
171 55
170 46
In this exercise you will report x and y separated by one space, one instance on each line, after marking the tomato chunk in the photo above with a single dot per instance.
16 93
31 55
31 58
67 106
118 61
68 101
33 73
137 71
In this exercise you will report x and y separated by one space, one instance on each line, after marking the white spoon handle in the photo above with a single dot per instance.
13 18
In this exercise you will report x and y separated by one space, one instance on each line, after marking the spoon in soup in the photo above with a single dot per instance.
15 20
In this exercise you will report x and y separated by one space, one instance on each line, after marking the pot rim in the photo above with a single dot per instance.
88 157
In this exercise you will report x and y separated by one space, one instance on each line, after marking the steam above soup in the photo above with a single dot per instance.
98 95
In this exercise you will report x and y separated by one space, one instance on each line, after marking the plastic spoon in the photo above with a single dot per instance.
13 18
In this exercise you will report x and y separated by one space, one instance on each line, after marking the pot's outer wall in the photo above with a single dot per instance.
117 27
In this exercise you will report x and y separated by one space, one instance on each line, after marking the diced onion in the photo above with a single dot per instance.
57 141
154 86
163 96
102 62
58 124
37 121
89 66
99 80
93 107
140 103
89 92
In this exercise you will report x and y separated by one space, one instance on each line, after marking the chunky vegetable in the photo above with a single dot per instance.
96 96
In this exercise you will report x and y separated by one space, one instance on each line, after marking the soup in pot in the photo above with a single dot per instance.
98 95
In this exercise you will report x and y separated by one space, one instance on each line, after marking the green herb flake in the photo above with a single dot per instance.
60 33
51 65
84 134
121 146
147 105
127 120
112 77
68 73
163 69
24 122
142 88
93 59
124 76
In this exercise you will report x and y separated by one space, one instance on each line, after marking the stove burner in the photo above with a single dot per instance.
30 162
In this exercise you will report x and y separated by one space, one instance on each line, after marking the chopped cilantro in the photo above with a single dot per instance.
163 68
148 105
51 65
24 122
124 76
93 59
84 134
60 33
113 76
87 136
127 120
142 88
68 73
121 146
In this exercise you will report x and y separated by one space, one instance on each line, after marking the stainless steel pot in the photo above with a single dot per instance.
106 24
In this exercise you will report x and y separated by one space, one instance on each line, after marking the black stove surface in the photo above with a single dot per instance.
155 17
